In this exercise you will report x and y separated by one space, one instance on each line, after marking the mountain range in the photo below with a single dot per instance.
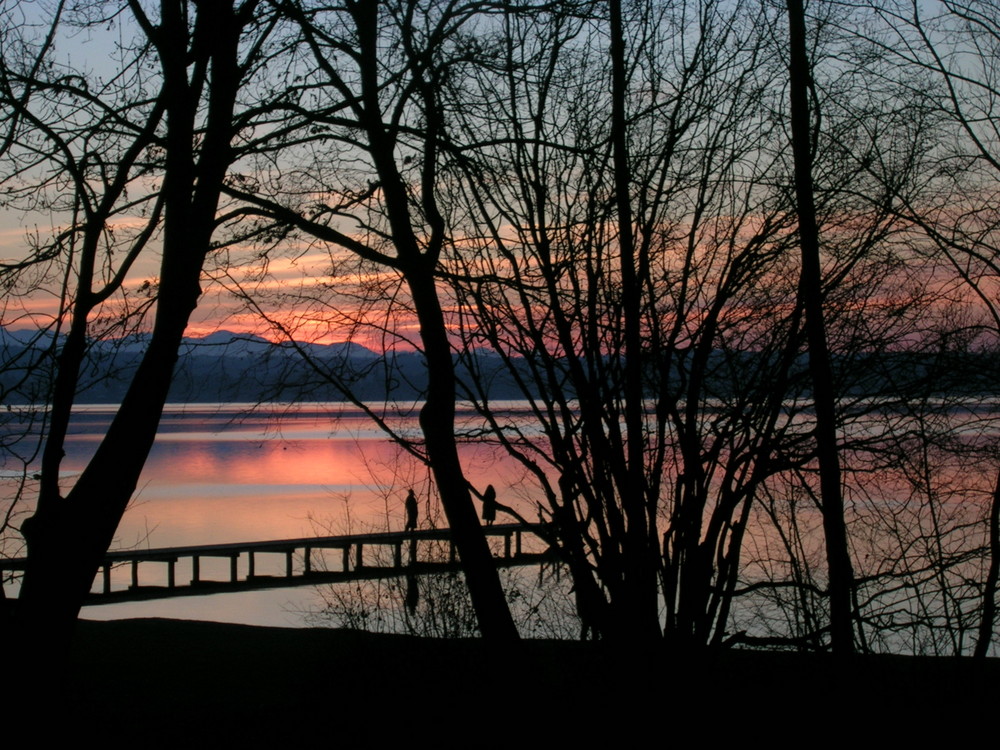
231 367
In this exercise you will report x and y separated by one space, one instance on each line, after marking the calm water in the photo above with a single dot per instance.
221 473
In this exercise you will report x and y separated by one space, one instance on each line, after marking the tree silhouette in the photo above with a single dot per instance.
811 296
154 139
732 273
375 71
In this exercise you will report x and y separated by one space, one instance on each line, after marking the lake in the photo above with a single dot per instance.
231 473
223 473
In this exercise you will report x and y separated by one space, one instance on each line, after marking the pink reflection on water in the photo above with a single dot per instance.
212 478
276 461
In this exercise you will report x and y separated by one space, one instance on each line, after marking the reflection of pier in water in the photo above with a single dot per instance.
353 563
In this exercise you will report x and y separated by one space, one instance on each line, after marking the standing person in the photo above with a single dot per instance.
490 505
410 505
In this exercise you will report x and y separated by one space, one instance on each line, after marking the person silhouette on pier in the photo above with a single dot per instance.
410 505
490 505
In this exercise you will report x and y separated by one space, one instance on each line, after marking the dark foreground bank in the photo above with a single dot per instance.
156 682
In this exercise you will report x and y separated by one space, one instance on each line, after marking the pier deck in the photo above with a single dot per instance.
304 563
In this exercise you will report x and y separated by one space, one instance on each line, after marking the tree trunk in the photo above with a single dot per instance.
437 420
641 552
811 295
68 536
992 579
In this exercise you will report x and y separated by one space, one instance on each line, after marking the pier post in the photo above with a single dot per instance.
195 569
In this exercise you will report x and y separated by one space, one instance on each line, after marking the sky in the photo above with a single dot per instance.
298 295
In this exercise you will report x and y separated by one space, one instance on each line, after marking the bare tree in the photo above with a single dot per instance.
153 139
943 56
811 296
540 282
374 72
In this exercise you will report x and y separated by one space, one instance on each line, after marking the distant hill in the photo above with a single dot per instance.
227 366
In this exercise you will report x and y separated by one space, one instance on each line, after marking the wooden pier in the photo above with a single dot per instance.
385 558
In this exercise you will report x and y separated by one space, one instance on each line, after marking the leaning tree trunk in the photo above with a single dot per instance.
68 536
437 418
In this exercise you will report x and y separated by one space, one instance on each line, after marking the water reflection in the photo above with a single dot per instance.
225 473
916 519
220 474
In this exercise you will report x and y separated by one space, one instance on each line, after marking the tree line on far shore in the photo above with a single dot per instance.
227 367
739 259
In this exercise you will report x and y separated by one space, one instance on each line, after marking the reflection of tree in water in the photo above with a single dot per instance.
437 605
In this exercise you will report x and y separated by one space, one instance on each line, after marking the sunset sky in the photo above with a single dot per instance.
298 293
